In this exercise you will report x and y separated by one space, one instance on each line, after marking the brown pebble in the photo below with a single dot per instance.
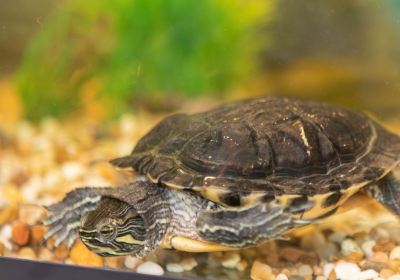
261 271
114 262
1 249
61 252
27 253
332 275
20 233
379 257
242 265
81 255
354 257
291 254
384 245
272 259
37 233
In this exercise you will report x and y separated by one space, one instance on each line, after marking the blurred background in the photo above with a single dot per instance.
101 59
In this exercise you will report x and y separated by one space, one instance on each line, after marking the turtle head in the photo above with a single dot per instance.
114 228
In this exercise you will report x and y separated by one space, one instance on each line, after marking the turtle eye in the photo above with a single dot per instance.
108 231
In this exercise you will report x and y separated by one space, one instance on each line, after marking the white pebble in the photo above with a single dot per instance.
131 262
5 236
174 267
367 274
395 253
72 170
281 276
230 260
346 270
394 277
328 267
304 270
350 246
367 247
150 268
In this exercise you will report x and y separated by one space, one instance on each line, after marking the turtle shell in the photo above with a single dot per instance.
267 148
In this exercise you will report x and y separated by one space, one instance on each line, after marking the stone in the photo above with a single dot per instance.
349 246
82 256
20 233
329 250
132 262
37 234
320 277
261 271
26 253
188 263
291 254
174 267
230 259
328 268
45 254
304 270
61 252
242 265
394 277
150 268
367 274
395 253
367 247
337 237
346 270
281 276
379 257
114 262
386 273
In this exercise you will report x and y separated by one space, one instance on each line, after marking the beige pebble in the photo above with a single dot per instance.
386 273
45 254
261 271
174 267
346 270
337 237
367 247
188 263
320 277
20 233
304 270
132 262
230 259
350 246
395 253
150 268
81 255
27 253
394 277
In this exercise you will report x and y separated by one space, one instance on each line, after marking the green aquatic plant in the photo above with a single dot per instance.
115 51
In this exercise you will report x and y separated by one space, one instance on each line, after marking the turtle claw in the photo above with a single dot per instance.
64 217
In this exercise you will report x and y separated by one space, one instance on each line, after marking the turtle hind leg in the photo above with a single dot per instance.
387 191
244 227
63 218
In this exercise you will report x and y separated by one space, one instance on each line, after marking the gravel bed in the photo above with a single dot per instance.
40 163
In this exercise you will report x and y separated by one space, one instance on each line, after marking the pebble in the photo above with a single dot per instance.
242 265
367 247
45 254
5 236
366 274
131 262
114 262
20 233
337 237
394 277
346 270
261 271
189 263
281 276
349 246
304 270
327 269
291 254
174 267
150 268
327 251
81 255
379 257
230 260
320 277
386 273
395 253
26 253
37 234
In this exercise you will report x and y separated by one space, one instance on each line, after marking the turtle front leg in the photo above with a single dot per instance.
63 218
387 191
245 227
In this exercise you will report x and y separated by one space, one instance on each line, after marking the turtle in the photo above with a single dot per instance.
234 177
